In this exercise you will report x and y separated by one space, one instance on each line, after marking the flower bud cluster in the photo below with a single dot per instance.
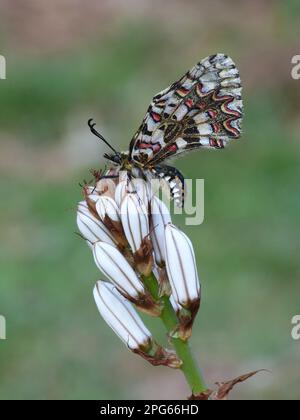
132 238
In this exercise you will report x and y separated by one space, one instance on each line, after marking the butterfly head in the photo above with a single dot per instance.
115 158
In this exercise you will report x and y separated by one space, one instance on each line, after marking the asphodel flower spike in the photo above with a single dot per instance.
133 242
183 277
115 267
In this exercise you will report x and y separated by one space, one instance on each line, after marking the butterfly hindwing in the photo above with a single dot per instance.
203 109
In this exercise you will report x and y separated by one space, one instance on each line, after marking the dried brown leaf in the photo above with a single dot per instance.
224 388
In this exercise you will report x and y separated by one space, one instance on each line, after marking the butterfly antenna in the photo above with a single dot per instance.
92 124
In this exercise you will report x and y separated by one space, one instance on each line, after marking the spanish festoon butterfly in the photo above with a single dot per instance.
203 109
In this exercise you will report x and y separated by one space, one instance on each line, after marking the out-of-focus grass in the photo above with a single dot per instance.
41 92
247 248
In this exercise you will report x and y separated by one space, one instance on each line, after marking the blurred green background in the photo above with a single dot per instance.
71 60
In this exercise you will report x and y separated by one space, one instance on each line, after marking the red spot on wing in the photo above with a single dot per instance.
221 144
182 91
212 113
216 127
189 103
143 146
229 110
212 142
202 106
217 144
234 131
224 98
199 87
154 147
173 148
156 117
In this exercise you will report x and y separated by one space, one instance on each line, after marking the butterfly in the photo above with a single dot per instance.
202 110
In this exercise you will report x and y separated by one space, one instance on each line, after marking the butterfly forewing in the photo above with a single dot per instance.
203 109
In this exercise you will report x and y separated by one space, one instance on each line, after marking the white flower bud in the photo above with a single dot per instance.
121 316
140 187
135 221
121 191
181 267
160 216
94 197
116 268
92 230
106 206
82 206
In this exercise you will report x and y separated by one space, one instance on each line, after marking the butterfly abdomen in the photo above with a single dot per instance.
174 179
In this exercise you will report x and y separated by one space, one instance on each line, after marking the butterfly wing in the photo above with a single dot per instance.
202 109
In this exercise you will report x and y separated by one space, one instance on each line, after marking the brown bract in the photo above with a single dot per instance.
143 258
146 303
224 388
161 357
187 318
116 230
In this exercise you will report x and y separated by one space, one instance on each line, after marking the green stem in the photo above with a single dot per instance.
189 366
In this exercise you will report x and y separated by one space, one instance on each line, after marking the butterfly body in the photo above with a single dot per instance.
203 109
